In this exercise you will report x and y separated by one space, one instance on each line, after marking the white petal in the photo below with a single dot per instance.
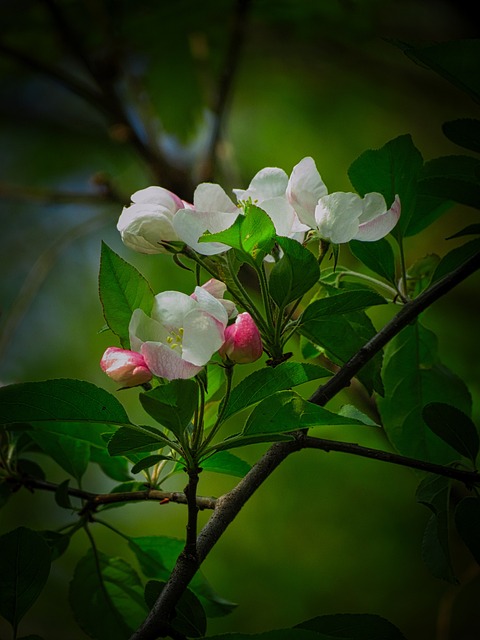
208 303
144 226
380 226
170 309
142 329
190 225
305 188
203 336
212 198
281 213
267 183
215 288
166 362
158 195
374 205
337 216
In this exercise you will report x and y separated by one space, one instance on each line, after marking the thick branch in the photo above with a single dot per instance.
229 505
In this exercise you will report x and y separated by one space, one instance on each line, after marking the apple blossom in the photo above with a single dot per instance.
126 367
339 217
181 334
148 221
212 211
217 289
243 343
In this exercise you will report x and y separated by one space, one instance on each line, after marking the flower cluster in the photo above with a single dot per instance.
181 335
295 204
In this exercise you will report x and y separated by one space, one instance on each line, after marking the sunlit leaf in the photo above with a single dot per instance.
122 290
262 383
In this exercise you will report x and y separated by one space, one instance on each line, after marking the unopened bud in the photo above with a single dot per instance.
243 343
128 368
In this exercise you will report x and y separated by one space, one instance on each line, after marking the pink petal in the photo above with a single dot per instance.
380 226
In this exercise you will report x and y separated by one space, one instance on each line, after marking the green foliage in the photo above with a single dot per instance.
434 492
172 405
454 427
294 274
467 521
354 626
377 256
252 235
465 132
391 170
226 462
25 565
106 597
122 290
414 377
189 619
262 384
452 178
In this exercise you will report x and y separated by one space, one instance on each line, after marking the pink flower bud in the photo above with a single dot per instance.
243 343
125 367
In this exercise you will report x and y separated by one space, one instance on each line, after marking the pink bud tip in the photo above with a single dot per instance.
243 343
125 367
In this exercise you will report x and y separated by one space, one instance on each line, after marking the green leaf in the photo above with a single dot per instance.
455 258
287 411
122 290
133 440
64 400
341 336
252 235
106 597
62 497
377 256
157 556
239 440
391 170
454 178
58 542
262 383
349 411
469 230
454 60
467 521
172 404
294 274
414 377
225 462
25 561
190 619
434 492
354 626
341 303
67 416
454 427
149 461
465 132
420 274
427 210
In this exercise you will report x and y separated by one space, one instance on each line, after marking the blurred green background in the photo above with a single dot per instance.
327 533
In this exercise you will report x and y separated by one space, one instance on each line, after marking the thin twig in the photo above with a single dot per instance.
95 500
229 505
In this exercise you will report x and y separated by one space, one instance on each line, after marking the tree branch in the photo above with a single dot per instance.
229 505
95 500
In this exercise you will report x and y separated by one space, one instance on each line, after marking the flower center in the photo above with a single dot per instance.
175 339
